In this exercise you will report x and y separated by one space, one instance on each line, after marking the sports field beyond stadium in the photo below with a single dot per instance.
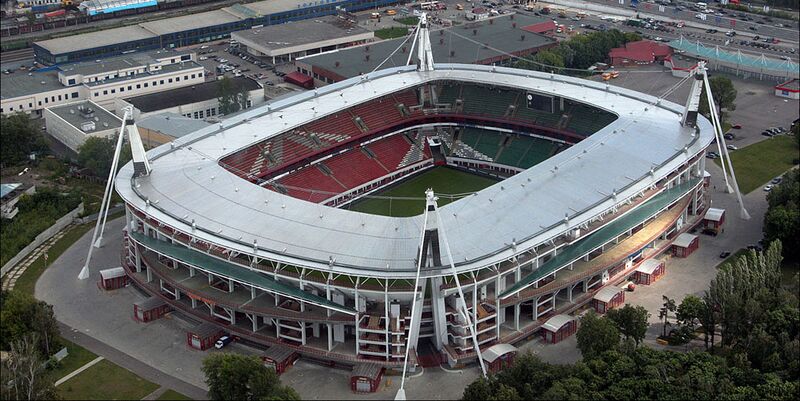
444 181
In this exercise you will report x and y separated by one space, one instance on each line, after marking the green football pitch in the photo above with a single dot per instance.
443 180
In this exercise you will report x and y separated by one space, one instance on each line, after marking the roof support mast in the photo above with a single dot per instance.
141 167
424 52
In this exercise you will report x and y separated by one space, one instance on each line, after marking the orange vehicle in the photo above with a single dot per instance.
606 76
614 74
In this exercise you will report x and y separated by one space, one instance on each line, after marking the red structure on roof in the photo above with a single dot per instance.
299 79
547 27
640 52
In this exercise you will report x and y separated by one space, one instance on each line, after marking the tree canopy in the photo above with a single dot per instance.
580 52
724 95
19 137
596 335
631 321
22 315
97 153
240 377
782 220
231 97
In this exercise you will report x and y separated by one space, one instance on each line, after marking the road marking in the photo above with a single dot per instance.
79 370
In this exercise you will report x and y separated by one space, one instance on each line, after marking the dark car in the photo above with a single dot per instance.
729 136
724 255
756 248
767 133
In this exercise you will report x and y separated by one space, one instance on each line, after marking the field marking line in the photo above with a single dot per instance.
79 370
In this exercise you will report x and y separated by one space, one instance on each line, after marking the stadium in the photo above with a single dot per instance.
304 224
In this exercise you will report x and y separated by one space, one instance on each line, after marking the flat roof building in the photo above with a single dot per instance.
195 101
73 123
102 82
189 29
297 39
485 42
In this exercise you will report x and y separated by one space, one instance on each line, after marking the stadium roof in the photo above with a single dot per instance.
187 94
716 54
171 124
463 44
91 40
188 185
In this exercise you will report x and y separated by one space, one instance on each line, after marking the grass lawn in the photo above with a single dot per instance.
391 33
106 381
77 357
443 180
760 162
172 395
27 281
408 20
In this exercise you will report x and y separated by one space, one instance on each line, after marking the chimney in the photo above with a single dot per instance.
522 38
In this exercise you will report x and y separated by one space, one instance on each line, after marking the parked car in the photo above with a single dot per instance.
729 137
767 133
222 342
731 147
724 254
768 188
736 126
777 180
712 155
756 248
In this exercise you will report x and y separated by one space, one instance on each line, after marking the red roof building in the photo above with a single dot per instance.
639 53
545 28
789 89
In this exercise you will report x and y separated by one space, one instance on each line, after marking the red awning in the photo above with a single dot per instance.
542 27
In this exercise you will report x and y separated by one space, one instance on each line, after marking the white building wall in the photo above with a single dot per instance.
104 94
70 135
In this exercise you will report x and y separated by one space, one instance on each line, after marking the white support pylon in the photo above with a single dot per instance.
105 203
430 200
724 155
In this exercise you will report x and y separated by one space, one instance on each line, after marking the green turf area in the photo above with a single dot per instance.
106 381
443 180
27 281
760 162
172 395
408 20
77 356
391 33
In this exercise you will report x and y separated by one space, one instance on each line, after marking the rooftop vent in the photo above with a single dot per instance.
87 126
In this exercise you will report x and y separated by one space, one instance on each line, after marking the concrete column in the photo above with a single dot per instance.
315 329
192 271
439 314
149 276
194 303
516 316
230 285
210 278
252 292
177 294
232 313
330 337
255 323
536 309
569 292
138 257
278 328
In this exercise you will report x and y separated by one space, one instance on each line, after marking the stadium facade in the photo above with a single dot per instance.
240 224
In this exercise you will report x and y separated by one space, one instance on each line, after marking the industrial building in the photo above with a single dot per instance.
100 81
291 40
73 123
196 101
487 42
190 29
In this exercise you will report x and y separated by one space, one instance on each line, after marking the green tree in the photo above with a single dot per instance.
97 153
21 315
596 335
782 219
690 310
19 137
545 60
631 321
231 97
240 377
663 313
724 96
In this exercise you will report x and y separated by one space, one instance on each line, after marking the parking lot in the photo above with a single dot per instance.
224 58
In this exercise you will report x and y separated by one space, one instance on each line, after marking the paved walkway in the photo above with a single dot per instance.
14 274
79 370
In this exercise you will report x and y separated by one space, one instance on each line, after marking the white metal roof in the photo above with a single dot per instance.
714 214
556 322
649 266
684 240
496 351
112 273
187 185
607 293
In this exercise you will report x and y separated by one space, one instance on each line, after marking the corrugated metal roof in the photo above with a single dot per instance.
607 293
684 240
649 266
714 214
556 322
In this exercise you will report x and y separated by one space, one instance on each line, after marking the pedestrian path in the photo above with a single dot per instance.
79 370
14 274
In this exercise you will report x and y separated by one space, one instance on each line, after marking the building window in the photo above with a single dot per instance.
59 98
40 103
161 82
52 99
45 102
30 105
138 86
193 75
200 75
177 79
195 114
105 92
71 81
145 84
74 95
214 111
201 114
113 91
185 77
155 83
121 89
169 80
130 88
